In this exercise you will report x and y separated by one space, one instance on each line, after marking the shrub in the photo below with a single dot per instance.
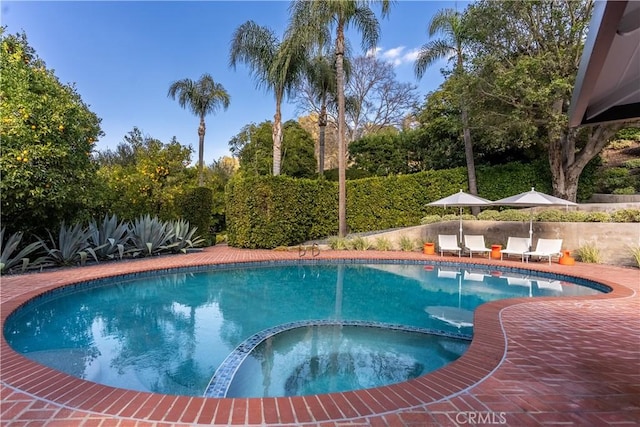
597 217
430 219
626 215
406 244
489 215
625 190
337 243
9 260
382 244
550 215
450 217
632 164
589 253
197 207
468 217
514 215
358 243
614 178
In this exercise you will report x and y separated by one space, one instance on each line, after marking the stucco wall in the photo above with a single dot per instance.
613 239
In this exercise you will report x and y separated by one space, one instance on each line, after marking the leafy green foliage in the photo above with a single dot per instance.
47 137
146 176
626 215
430 219
254 148
196 208
9 259
611 179
70 247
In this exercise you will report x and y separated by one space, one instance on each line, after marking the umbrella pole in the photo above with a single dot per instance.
460 225
531 230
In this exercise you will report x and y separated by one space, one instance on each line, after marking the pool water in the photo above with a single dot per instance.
324 359
169 333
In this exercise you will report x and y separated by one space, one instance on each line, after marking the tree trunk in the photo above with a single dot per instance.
567 163
342 171
277 136
201 131
322 125
468 154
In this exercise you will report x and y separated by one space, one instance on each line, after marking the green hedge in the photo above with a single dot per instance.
267 212
196 206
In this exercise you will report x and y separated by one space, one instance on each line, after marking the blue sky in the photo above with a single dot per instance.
122 57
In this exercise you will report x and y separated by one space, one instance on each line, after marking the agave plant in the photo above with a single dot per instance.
71 247
109 238
150 236
183 236
9 260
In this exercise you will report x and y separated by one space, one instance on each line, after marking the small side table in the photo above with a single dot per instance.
495 251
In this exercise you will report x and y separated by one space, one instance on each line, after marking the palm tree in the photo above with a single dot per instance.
276 65
321 87
202 97
316 19
449 23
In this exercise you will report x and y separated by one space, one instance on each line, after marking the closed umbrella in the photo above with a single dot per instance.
461 199
530 199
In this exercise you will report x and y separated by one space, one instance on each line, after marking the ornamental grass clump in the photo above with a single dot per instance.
406 244
635 253
589 253
337 243
382 244
359 243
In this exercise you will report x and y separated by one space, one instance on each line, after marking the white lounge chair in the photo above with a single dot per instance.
516 246
448 274
474 276
448 243
546 248
554 285
475 244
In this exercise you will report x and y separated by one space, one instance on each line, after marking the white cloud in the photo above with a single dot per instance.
396 56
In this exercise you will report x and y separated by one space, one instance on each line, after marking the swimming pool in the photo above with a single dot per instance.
139 332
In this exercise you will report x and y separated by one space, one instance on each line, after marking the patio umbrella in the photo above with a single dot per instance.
530 199
461 199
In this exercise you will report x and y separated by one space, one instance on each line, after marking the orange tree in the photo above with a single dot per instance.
47 135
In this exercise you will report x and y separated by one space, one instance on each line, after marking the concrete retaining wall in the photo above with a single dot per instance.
614 240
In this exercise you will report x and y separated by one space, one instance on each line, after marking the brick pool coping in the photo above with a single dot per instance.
569 360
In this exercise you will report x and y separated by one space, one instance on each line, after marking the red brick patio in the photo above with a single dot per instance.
562 361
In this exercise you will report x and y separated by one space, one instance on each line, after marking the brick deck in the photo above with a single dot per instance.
569 361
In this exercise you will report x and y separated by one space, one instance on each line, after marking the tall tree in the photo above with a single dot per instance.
526 57
317 91
317 19
449 24
276 65
378 99
202 97
47 134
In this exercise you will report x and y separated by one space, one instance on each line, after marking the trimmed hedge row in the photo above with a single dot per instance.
267 211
